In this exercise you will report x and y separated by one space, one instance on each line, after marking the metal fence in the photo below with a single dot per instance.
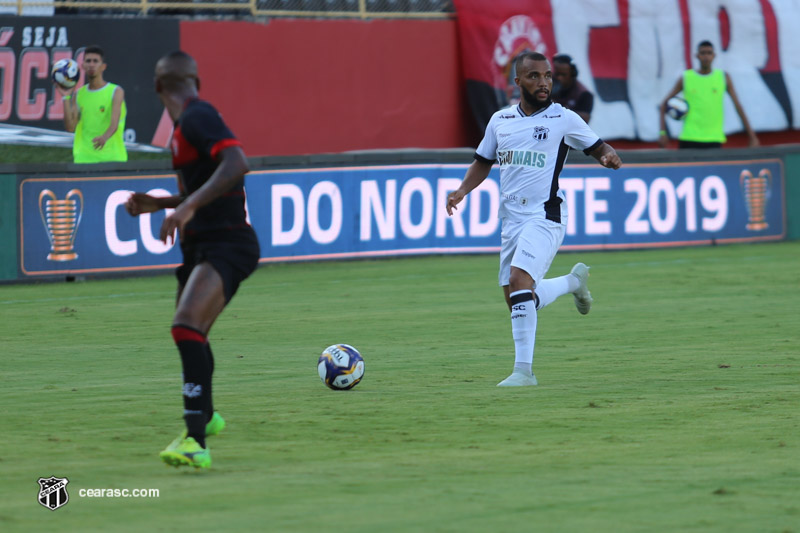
363 9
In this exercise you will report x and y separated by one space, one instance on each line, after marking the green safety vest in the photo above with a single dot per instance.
705 95
95 108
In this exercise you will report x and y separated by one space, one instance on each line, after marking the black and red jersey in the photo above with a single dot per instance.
199 136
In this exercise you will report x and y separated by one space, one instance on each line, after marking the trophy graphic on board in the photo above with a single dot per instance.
756 190
61 219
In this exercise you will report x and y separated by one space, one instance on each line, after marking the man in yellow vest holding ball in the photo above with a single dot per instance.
95 113
704 90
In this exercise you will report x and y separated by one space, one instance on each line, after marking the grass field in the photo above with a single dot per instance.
672 406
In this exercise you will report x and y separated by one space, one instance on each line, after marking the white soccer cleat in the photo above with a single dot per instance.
583 298
518 379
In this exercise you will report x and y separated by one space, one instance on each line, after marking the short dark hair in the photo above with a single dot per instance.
94 49
564 59
178 54
533 56
704 43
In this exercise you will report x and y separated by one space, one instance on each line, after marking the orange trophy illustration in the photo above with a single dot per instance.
756 191
61 219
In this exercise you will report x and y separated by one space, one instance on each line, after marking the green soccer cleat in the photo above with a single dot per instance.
215 425
186 452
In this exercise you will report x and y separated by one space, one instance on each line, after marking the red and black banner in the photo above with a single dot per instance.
630 53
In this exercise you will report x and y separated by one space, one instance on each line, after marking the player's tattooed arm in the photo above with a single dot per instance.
607 156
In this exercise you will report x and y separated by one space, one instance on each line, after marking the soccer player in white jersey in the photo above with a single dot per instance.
531 142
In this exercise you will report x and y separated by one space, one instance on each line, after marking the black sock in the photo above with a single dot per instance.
196 380
210 407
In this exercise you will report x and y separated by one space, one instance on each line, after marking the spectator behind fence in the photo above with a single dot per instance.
567 90
95 113
704 91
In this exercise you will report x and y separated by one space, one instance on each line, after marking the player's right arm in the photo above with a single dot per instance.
662 111
232 167
480 167
140 202
476 173
71 111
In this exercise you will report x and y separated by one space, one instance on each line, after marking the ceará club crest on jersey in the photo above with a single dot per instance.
540 133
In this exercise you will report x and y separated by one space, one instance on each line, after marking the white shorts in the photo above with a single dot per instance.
529 245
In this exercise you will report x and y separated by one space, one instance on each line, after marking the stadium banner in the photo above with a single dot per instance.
71 226
630 53
29 46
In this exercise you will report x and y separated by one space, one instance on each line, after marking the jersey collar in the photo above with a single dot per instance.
523 115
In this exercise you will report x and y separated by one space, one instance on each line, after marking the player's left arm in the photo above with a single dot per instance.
116 113
607 156
582 136
751 135
230 171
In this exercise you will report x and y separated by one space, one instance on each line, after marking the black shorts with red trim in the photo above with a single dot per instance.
233 254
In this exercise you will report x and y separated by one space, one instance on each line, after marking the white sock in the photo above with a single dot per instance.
523 329
548 290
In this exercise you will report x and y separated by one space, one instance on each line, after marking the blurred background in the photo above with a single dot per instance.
317 76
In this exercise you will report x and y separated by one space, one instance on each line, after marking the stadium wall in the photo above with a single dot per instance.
793 195
9 227
67 221
313 86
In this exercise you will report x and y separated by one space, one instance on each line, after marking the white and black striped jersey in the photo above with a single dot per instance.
531 151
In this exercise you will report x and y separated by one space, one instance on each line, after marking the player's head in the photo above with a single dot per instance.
705 54
94 63
534 78
565 72
176 72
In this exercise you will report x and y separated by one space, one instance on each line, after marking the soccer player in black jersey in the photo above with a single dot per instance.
219 247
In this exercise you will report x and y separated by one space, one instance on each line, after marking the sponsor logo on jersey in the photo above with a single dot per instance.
507 116
524 158
552 116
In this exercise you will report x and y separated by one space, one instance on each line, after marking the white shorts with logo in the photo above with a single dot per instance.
530 245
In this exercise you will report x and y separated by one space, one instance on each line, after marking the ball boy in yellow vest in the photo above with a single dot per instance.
95 113
704 90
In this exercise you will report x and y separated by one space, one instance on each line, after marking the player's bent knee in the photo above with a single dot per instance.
519 280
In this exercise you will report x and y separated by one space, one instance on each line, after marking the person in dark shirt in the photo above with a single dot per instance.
219 247
568 91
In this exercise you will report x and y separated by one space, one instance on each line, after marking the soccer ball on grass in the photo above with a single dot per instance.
340 367
65 73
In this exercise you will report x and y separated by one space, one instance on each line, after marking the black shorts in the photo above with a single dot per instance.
234 257
695 144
